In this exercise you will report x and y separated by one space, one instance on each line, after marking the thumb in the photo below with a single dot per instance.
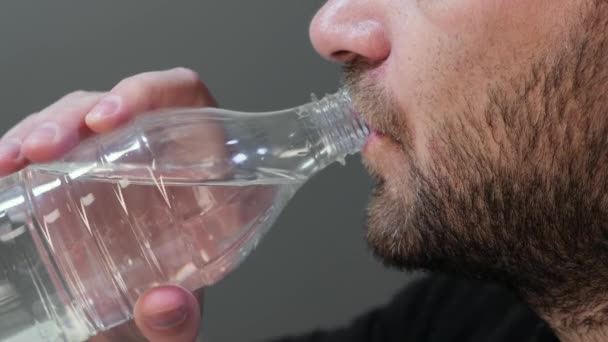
168 314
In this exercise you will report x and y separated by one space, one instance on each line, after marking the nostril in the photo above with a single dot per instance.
343 55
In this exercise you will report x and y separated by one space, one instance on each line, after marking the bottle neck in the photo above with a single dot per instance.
341 131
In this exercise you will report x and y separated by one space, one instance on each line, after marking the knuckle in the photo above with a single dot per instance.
187 74
134 84
191 79
33 116
76 94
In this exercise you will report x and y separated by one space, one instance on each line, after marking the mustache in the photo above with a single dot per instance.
377 107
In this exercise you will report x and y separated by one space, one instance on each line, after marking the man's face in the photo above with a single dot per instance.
491 137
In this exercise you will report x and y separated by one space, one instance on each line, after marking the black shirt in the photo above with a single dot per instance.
446 309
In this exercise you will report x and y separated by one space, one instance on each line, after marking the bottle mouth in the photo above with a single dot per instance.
344 130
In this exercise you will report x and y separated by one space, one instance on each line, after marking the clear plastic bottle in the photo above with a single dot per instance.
179 197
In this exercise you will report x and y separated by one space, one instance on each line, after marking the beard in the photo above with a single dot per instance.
533 216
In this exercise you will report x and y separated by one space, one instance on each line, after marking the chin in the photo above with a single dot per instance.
388 229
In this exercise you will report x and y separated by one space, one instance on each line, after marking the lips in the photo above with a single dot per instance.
373 102
384 152
382 130
385 159
377 139
383 124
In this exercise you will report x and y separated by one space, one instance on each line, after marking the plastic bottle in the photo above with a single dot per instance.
179 197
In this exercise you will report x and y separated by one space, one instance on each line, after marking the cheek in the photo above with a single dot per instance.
503 25
450 15
430 73
447 53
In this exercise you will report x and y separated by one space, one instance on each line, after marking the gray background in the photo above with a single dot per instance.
313 270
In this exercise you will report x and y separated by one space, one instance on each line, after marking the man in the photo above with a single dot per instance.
490 153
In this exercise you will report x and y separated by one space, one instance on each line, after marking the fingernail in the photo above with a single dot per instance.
47 133
11 150
167 319
107 106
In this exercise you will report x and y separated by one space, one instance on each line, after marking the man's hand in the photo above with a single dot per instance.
161 314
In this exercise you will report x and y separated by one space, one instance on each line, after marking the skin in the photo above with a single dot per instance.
489 142
488 145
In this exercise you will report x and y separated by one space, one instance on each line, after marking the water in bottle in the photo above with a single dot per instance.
174 198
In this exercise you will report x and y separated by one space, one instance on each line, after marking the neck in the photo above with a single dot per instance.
599 335
589 324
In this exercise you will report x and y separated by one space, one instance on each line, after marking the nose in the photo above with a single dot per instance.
346 29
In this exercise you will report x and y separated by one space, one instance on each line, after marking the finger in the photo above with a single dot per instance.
168 314
148 91
67 113
58 128
11 158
